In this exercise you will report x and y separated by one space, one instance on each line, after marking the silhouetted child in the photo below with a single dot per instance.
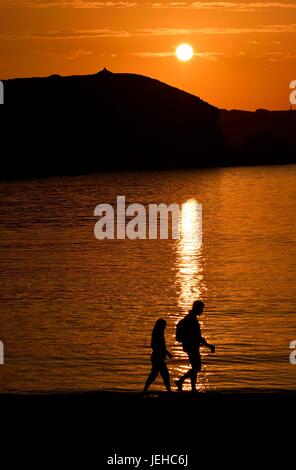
158 357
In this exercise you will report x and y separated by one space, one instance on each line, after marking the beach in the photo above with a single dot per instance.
215 429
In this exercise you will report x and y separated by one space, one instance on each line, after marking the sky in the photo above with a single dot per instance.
245 52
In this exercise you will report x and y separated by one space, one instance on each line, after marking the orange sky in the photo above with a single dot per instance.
245 51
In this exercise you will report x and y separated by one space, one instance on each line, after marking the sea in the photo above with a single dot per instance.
77 312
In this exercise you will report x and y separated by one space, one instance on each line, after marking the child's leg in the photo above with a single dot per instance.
152 376
165 376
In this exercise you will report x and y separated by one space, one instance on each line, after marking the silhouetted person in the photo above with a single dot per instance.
158 357
189 334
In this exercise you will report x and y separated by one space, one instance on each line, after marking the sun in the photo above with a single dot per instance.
184 52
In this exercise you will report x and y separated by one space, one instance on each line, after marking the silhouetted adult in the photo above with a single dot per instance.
158 357
189 334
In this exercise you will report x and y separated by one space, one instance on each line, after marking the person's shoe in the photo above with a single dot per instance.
179 384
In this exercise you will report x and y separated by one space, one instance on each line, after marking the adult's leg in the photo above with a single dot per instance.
180 381
195 361
152 376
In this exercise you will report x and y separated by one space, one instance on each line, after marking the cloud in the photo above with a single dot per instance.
234 6
81 4
224 6
70 34
150 55
279 56
282 28
262 43
212 56
149 32
78 53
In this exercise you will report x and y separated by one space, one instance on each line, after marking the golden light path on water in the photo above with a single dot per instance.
189 276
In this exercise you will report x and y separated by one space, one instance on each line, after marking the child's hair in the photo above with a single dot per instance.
160 324
158 332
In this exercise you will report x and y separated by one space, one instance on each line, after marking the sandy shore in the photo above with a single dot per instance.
216 428
124 406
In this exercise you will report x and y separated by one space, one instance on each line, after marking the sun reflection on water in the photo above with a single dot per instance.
189 277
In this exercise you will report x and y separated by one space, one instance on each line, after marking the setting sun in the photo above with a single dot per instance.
184 52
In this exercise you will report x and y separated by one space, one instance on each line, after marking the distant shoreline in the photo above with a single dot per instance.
110 122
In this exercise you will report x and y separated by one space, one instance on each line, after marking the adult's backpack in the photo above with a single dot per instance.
180 331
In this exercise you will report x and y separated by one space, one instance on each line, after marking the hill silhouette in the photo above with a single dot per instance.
78 124
260 137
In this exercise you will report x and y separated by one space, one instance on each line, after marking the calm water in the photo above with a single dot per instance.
77 313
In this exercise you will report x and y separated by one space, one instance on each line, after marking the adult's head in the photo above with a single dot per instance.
197 307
